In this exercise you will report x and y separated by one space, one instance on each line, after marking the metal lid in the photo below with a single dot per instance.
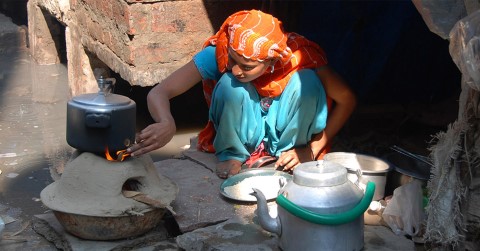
102 99
320 173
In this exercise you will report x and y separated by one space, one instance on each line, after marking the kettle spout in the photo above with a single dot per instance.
266 221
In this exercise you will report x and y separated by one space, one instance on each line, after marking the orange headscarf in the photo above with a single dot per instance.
259 36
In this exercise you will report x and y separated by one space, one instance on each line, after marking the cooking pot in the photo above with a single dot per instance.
319 209
363 168
97 121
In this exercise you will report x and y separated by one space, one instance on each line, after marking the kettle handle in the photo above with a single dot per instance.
329 219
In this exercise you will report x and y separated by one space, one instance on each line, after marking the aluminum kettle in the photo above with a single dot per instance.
100 121
319 209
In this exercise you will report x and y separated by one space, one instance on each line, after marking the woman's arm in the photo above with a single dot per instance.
344 104
162 131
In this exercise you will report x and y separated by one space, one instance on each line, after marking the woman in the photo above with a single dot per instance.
266 92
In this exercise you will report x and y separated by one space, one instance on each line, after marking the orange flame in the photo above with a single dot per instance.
121 155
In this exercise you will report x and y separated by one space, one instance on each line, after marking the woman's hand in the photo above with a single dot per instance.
294 157
152 137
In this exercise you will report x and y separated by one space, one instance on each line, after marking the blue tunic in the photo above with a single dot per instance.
241 117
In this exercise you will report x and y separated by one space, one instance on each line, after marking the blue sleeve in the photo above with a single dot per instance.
207 64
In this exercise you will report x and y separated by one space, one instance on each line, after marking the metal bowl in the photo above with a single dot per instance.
109 228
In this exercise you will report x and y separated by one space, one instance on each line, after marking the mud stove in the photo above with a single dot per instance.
100 197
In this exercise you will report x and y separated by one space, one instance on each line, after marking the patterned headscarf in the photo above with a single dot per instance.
259 36
252 34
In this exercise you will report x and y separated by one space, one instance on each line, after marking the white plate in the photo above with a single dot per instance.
239 188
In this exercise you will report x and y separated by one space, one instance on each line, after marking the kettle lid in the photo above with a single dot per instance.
102 100
104 97
320 173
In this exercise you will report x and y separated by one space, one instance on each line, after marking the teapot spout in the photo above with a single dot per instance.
266 221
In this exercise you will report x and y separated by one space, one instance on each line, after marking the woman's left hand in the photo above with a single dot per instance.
294 157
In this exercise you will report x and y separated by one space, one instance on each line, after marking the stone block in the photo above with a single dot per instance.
199 202
234 234
80 75
139 17
41 39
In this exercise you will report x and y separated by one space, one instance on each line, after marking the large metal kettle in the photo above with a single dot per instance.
319 209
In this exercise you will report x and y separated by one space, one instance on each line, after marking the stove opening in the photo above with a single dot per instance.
132 185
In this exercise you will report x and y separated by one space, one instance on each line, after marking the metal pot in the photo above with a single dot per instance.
102 120
320 209
362 168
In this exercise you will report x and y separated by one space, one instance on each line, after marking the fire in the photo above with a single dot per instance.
121 155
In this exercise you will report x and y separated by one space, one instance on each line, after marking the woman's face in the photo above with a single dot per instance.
245 70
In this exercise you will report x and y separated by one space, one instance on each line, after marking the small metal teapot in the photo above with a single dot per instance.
319 209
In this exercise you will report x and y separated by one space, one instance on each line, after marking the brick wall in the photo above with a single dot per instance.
146 34
142 40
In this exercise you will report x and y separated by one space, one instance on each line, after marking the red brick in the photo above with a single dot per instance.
90 3
152 53
94 29
139 19
162 18
81 17
73 3
107 38
120 13
105 7
198 21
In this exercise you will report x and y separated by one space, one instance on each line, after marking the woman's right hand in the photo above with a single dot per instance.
152 137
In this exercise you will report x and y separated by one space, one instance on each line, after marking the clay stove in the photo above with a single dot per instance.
91 199
100 197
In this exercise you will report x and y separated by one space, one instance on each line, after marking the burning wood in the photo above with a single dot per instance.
121 155
141 197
